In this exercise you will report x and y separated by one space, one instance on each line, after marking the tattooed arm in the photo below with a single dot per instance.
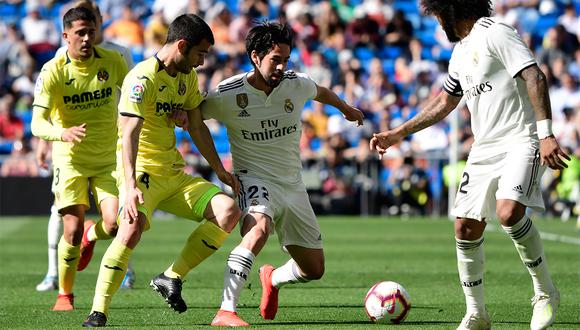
435 110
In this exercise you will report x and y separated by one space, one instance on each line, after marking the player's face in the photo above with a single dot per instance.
194 58
273 65
80 38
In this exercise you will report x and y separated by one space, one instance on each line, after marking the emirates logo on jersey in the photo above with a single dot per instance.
288 106
242 100
103 75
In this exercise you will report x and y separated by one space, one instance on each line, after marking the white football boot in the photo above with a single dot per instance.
475 321
545 307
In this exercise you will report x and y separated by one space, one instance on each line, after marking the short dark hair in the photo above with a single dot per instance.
78 14
452 11
190 28
263 37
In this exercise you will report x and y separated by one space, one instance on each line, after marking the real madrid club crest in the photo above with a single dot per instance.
103 75
475 59
182 89
242 100
288 105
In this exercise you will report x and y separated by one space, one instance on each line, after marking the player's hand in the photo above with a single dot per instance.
134 198
551 154
42 153
180 119
353 114
231 180
383 140
74 134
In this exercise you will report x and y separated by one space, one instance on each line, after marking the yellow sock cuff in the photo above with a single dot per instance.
98 232
202 243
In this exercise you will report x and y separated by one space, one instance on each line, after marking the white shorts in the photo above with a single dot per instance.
513 175
289 208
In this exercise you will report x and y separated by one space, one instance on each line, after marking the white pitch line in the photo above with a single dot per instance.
546 236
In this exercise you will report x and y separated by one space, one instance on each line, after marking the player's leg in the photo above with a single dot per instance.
50 281
299 233
471 266
116 259
474 203
255 229
197 199
68 255
113 268
519 188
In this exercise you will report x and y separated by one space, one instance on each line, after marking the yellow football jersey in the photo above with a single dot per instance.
83 92
152 94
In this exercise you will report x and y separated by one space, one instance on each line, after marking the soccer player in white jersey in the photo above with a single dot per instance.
50 281
507 95
261 110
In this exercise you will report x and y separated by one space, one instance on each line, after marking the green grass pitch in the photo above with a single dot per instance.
418 253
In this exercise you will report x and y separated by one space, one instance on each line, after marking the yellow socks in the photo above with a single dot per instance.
111 274
68 259
202 243
98 232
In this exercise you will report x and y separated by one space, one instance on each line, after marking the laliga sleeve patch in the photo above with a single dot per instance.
136 93
38 85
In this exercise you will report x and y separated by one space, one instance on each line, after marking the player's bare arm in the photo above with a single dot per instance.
42 153
435 110
130 144
550 152
326 96
202 138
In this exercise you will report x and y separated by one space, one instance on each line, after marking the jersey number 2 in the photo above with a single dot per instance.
253 190
464 183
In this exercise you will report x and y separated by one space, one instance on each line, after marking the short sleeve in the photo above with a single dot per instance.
211 106
452 85
195 97
307 85
135 95
44 92
505 43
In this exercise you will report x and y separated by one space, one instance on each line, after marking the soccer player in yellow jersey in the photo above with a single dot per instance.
153 168
74 106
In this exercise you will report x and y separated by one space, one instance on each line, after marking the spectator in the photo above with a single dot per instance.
127 30
20 163
155 34
399 31
113 9
11 127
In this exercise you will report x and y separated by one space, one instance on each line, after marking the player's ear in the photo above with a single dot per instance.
182 47
255 58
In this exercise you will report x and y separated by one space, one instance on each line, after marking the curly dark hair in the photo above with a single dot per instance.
451 11
263 37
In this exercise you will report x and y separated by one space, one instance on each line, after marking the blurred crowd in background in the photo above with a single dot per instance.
384 57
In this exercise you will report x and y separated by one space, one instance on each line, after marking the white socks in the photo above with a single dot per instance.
527 240
54 233
286 274
471 265
237 271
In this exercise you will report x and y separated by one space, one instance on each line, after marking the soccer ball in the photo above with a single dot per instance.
387 302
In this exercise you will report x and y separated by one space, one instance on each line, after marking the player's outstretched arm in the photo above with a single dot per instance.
435 110
42 149
130 144
550 152
202 138
326 96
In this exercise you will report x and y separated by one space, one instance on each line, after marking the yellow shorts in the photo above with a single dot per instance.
182 195
71 183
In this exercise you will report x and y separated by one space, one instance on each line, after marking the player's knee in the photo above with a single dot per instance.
509 216
316 272
469 229
230 215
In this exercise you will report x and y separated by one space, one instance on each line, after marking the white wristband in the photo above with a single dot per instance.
544 128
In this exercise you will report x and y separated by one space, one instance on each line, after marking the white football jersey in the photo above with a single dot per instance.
264 130
483 69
